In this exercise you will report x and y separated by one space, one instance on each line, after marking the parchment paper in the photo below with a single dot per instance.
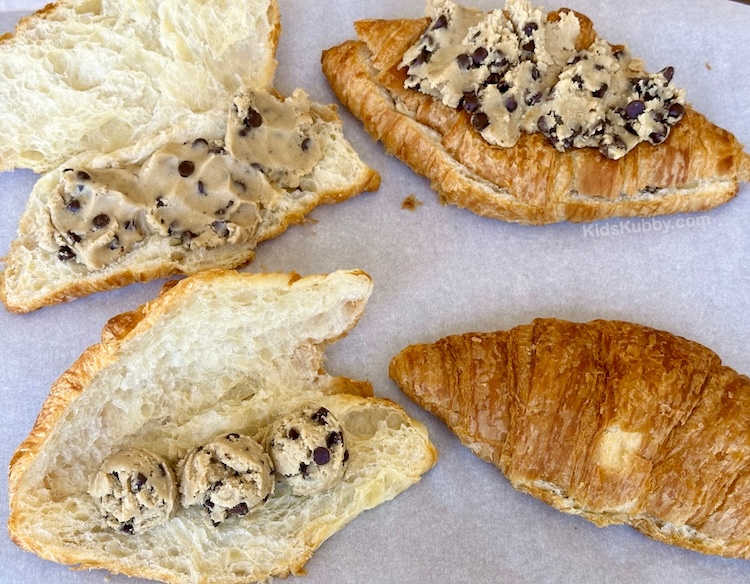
440 270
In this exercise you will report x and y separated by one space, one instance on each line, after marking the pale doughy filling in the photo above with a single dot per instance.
197 194
515 71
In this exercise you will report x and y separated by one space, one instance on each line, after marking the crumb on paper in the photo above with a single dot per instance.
708 65
411 203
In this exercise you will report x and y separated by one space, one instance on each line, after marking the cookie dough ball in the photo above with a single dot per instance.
134 490
308 450
232 475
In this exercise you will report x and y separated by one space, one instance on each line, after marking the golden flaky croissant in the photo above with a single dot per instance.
698 167
613 421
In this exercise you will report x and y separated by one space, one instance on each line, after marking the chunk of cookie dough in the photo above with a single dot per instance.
308 450
135 490
230 476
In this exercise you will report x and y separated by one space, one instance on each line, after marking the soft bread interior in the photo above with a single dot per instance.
102 75
219 352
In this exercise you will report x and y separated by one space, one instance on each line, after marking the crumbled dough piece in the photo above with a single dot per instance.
230 476
308 450
513 72
134 490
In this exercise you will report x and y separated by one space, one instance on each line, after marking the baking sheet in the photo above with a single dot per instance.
440 270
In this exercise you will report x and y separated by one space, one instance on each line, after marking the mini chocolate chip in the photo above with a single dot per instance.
441 22
65 253
74 206
422 58
657 137
160 202
306 144
127 527
186 168
321 455
229 204
162 469
240 509
220 228
511 104
503 88
480 121
479 55
303 469
201 187
242 133
535 74
200 143
578 80
529 29
100 221
575 59
128 225
293 433
80 188
346 456
668 73
599 93
493 79
83 175
541 124
676 110
253 119
533 99
635 108
630 129
334 438
217 150
74 236
140 480
187 236
266 497
115 243
233 436
530 46
471 102
208 503
464 61
320 416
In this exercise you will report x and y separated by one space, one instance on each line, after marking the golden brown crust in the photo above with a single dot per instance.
697 168
616 422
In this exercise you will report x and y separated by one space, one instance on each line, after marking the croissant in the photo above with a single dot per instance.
698 167
616 422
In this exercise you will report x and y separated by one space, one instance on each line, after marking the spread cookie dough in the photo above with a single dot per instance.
230 476
197 194
134 490
308 450
515 71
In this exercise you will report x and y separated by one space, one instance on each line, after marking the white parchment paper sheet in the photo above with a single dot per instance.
440 270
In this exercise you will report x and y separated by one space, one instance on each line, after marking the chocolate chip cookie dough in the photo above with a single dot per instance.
517 71
134 490
308 451
197 194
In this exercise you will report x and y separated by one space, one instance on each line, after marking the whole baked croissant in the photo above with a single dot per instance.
613 421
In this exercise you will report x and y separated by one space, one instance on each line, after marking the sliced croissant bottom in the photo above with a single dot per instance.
613 421
697 168
216 353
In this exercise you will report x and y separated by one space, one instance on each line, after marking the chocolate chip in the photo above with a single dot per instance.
493 79
128 225
127 527
187 236
83 175
635 108
201 187
233 436
533 99
441 22
115 243
253 119
74 237
542 125
217 150
240 509
464 61
480 121
242 133
668 73
630 129
535 74
208 503
657 137
220 227
306 144
479 56
200 143
65 253
599 93
530 46
422 58
503 88
303 469
293 433
511 104
676 110
471 102
334 438
160 202
321 455
529 29
100 221
578 80
346 456
320 416
139 481
186 168
74 206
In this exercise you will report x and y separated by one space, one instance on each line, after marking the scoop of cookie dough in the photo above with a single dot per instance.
308 450
134 490
230 476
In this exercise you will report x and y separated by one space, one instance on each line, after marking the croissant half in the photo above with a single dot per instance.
697 168
613 421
